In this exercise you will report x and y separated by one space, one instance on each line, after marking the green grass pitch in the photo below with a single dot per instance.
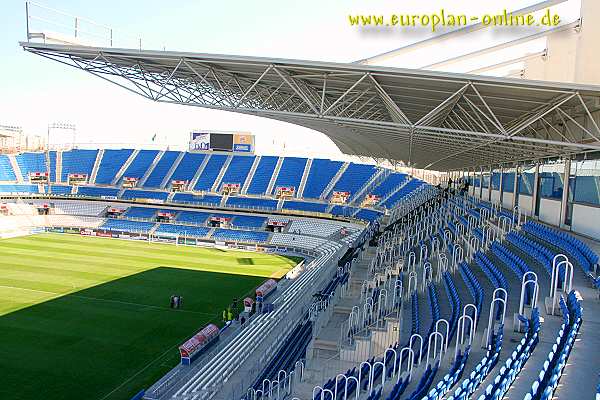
89 318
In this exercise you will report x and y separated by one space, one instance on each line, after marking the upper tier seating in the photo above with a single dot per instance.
31 162
389 184
290 174
262 175
250 202
405 191
321 173
240 236
140 164
182 230
161 169
354 178
188 166
52 158
78 162
127 226
97 191
238 170
131 194
112 161
6 170
210 172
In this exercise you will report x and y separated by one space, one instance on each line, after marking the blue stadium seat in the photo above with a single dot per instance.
321 173
390 183
140 164
248 221
290 173
232 235
122 225
14 189
368 215
406 190
343 211
251 202
52 158
131 194
305 206
210 172
112 161
354 178
6 170
262 175
188 166
238 169
31 162
141 212
161 169
182 230
78 162
192 217
97 191
61 189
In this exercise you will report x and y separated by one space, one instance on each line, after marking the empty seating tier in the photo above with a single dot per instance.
354 178
187 167
31 163
112 161
238 170
320 174
210 172
290 174
140 164
161 168
78 162
6 170
262 175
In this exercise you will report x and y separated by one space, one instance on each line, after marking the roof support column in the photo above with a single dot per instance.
536 191
517 174
564 206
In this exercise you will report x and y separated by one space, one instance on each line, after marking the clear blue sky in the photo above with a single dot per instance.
35 91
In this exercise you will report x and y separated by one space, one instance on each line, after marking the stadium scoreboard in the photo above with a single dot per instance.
238 142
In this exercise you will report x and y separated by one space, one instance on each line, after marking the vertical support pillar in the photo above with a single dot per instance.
501 187
517 174
564 205
480 191
536 190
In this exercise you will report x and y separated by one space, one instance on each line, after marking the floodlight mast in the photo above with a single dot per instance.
62 126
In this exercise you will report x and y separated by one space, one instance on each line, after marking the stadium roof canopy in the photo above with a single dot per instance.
434 120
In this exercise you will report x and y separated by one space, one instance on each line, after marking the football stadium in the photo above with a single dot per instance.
447 249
